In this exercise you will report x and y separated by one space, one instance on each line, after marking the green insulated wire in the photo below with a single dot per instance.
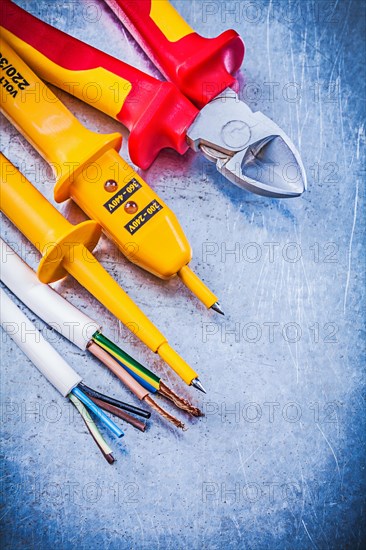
129 362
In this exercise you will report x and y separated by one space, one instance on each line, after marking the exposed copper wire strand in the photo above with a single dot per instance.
164 413
132 384
180 402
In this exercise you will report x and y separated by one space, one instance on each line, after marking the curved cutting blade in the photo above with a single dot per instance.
249 148
267 167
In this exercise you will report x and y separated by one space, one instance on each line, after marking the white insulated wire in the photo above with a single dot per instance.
47 360
52 308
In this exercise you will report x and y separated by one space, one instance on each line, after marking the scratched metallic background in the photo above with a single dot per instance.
278 462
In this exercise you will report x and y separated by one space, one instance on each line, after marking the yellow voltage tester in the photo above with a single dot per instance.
89 170
67 249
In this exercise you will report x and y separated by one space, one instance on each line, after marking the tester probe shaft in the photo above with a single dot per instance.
66 249
89 170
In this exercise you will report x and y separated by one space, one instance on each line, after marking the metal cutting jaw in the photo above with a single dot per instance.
248 148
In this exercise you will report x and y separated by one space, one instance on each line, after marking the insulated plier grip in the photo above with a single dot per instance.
155 112
200 67
89 170
46 123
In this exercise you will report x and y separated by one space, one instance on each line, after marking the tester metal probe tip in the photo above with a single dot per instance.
49 231
199 289
216 307
197 384
248 148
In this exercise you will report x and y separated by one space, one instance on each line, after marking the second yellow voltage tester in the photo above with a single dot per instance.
89 170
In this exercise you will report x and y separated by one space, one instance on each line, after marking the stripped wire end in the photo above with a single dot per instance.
108 456
164 413
180 402
141 374
118 369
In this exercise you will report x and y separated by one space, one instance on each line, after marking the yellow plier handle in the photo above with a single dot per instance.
46 123
89 170
156 114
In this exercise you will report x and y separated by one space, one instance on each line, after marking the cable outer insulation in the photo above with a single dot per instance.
52 308
28 338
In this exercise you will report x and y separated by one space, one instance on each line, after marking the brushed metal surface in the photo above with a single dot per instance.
278 461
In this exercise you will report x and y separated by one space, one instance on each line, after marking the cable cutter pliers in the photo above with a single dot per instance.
199 108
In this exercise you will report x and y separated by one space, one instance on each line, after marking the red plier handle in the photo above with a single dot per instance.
155 112
200 67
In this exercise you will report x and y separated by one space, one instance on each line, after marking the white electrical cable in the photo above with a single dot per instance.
52 308
40 352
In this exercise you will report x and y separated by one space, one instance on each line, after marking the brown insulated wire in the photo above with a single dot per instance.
130 382
121 414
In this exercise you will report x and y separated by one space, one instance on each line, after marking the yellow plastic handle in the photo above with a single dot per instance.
90 171
46 123
65 250
99 87
37 223
168 20
41 223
